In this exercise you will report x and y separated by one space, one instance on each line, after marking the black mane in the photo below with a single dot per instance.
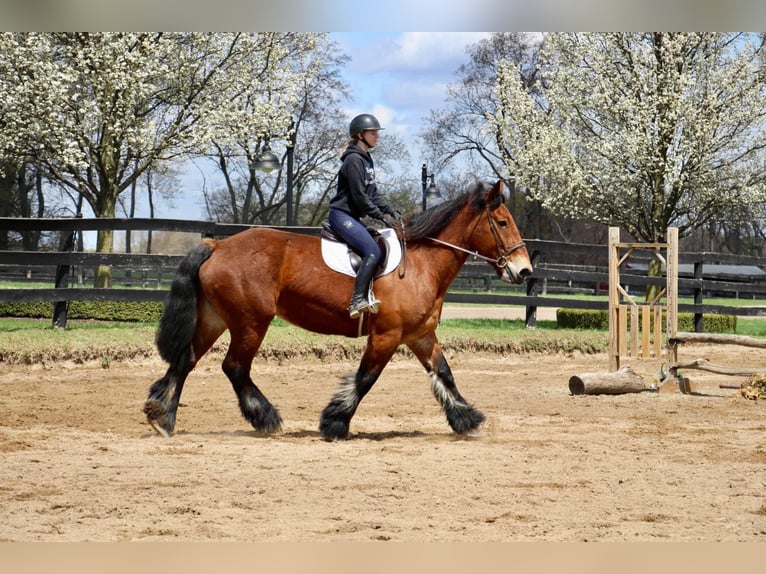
430 222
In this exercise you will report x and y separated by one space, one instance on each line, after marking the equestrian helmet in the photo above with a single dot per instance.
363 122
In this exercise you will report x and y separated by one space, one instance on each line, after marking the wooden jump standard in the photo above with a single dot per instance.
646 315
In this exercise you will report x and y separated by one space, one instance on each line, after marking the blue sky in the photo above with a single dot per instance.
400 76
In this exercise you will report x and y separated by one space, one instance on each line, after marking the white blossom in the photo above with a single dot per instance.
97 110
641 130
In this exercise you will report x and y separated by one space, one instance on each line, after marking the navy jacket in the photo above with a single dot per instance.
357 192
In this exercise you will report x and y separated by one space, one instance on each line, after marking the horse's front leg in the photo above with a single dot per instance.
336 416
461 416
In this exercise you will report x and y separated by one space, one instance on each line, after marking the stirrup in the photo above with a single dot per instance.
371 305
355 310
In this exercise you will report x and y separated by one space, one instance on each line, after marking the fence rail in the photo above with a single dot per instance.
555 270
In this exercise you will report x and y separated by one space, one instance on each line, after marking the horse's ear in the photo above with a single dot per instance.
495 195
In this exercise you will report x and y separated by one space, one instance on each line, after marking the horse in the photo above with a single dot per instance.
243 281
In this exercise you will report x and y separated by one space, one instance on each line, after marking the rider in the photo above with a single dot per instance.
356 197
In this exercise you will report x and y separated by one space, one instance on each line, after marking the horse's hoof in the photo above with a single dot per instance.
160 431
265 418
268 428
464 420
333 429
157 416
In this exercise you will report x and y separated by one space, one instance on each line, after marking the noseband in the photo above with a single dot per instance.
502 252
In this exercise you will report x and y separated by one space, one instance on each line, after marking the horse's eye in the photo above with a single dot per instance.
502 223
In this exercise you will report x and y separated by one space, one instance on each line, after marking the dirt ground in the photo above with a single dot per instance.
79 462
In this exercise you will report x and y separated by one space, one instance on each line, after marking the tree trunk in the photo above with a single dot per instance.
107 202
655 270
104 244
7 174
150 197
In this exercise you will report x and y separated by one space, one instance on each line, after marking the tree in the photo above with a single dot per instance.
460 133
644 131
316 127
21 196
97 110
308 72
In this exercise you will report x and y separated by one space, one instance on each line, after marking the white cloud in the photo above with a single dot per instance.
400 77
414 52
404 74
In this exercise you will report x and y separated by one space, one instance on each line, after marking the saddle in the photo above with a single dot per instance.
340 257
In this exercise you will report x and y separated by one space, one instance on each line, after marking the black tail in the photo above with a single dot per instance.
179 319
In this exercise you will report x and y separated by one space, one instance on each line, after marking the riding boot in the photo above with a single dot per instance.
360 303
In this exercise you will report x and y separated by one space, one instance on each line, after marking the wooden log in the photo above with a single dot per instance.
616 383
718 338
704 365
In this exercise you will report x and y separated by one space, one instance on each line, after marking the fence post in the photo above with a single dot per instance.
615 337
699 320
531 310
671 265
60 308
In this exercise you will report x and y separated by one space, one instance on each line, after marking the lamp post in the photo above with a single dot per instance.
267 161
430 193
289 192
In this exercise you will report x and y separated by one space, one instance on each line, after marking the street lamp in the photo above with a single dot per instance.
267 161
430 193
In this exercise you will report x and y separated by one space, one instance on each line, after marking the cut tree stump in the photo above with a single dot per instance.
616 383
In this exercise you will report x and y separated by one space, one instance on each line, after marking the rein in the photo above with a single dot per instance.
502 258
403 243
501 261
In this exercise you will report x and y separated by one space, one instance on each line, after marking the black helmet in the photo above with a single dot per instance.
362 123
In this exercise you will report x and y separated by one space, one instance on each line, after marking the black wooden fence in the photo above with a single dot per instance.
559 267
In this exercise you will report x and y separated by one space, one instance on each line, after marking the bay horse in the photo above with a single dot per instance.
242 282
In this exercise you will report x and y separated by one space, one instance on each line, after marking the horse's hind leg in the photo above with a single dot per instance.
461 416
253 404
164 395
162 403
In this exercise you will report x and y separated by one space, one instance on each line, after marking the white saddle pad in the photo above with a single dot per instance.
337 255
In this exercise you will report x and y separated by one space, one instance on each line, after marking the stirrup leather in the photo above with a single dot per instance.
373 305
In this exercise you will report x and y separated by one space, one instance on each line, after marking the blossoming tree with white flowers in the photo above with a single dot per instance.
640 130
97 110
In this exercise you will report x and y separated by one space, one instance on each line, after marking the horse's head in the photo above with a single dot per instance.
486 229
497 238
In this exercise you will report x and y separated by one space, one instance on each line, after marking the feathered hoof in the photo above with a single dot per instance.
333 429
157 416
266 420
464 420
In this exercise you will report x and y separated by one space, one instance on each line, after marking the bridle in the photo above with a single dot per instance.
502 252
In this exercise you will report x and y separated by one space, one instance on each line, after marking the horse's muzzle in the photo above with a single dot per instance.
512 273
